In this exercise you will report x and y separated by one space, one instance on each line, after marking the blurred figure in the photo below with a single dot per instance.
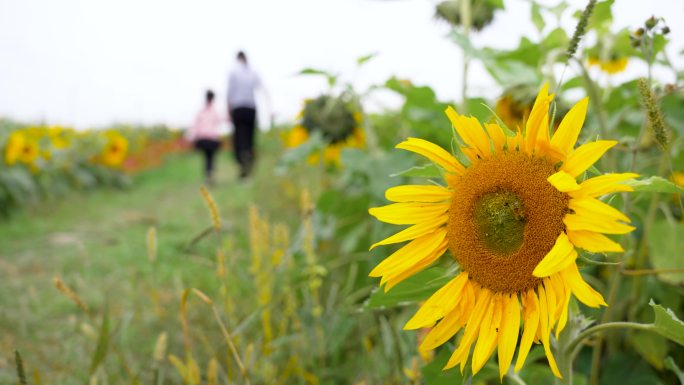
206 136
242 84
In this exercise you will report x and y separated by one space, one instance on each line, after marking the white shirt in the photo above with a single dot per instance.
242 82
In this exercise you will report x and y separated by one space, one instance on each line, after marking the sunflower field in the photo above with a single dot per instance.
530 238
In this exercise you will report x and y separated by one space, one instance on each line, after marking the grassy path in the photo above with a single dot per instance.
96 242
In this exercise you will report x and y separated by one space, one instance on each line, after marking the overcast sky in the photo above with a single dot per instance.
94 62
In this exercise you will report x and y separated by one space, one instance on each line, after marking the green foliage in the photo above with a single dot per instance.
667 324
102 343
413 289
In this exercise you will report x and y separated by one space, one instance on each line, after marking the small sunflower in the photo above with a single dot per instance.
115 150
610 66
14 147
337 121
512 219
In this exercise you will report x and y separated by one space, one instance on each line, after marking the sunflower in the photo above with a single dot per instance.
114 152
610 66
512 218
14 147
338 122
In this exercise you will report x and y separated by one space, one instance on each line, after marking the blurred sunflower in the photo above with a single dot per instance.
482 12
337 121
21 148
58 137
611 65
511 111
13 148
512 219
115 150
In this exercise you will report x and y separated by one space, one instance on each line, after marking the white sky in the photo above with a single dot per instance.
95 62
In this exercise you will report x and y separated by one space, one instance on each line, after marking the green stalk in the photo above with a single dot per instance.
467 21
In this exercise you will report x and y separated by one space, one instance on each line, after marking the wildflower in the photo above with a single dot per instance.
512 218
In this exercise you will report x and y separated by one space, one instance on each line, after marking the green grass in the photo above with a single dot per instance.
96 241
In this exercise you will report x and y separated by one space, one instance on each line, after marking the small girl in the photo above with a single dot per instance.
205 135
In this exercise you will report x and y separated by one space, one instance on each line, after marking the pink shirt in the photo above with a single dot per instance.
206 126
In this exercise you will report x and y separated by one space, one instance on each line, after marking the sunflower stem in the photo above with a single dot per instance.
602 327
467 21
595 98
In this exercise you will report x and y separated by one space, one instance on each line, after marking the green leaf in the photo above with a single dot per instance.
664 243
102 343
314 71
670 364
21 373
537 17
652 347
363 59
413 289
427 171
667 324
433 373
655 184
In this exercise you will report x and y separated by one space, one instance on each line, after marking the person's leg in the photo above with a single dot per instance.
250 128
241 122
202 146
211 149
238 135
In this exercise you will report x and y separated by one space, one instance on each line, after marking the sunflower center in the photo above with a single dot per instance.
504 218
500 220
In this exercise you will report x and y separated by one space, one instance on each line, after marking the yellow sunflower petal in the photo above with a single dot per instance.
563 296
408 213
595 223
440 303
593 242
497 135
565 137
418 193
397 274
546 307
604 184
563 182
488 336
510 325
410 253
586 155
433 152
414 231
559 257
531 323
580 289
470 131
534 124
460 355
445 329
593 206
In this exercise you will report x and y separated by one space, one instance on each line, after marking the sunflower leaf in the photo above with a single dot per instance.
426 171
667 324
672 365
413 289
655 184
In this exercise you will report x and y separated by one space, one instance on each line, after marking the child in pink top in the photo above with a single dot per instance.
205 135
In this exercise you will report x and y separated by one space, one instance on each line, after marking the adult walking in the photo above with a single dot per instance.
242 84
205 135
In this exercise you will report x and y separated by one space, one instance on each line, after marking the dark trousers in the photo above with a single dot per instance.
244 120
208 147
